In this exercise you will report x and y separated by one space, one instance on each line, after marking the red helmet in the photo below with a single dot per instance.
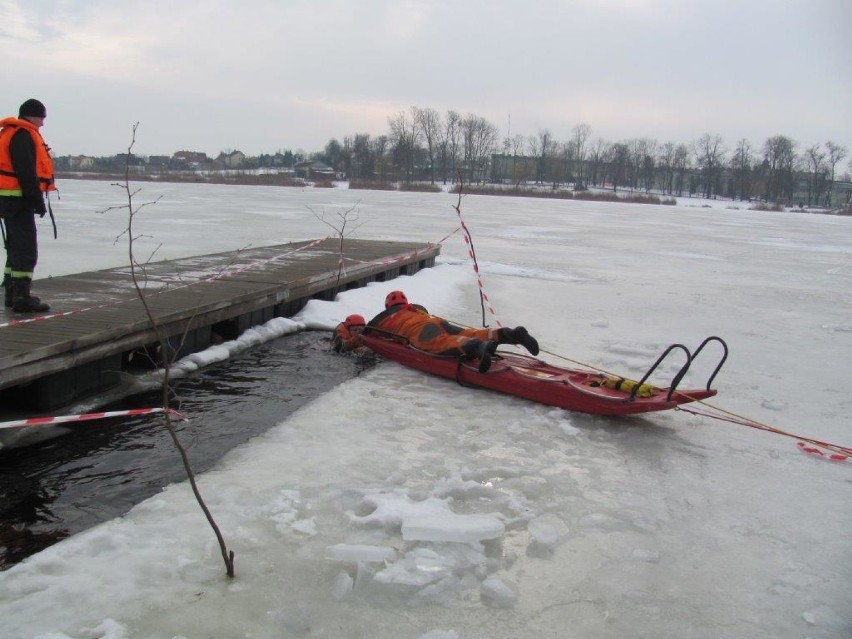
354 320
394 298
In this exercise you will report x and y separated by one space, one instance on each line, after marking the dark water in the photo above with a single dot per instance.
99 470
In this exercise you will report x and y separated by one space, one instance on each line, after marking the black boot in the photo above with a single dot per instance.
483 351
520 336
526 340
7 290
22 301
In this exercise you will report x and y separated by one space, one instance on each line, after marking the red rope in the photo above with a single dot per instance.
838 453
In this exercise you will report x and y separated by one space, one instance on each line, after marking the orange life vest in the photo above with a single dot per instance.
9 185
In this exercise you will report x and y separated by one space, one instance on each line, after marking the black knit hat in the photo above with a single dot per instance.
32 108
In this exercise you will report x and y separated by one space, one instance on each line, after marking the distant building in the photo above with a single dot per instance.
233 160
192 159
80 162
313 170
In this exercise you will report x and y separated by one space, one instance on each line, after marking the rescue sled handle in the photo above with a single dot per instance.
690 357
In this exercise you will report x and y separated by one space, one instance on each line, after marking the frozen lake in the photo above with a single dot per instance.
398 505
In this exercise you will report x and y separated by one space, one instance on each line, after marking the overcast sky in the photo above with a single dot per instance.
264 75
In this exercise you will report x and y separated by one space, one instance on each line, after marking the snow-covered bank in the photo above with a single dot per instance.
405 506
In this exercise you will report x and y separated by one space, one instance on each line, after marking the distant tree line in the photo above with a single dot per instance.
423 145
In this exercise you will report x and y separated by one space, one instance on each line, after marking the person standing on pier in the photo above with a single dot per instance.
26 175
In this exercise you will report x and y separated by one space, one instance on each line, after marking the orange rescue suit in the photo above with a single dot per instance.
429 332
344 339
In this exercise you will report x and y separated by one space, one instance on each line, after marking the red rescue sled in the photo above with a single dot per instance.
581 390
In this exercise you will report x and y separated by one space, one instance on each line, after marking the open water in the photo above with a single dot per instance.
99 470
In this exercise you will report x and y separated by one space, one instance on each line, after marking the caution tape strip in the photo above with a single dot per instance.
85 417
816 451
223 274
385 261
838 452
472 254
806 444
217 276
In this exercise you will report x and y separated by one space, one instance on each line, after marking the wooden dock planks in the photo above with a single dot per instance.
98 314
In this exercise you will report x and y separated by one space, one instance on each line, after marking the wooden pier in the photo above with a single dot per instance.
97 326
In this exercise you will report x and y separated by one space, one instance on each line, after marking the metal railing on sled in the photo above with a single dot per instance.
690 357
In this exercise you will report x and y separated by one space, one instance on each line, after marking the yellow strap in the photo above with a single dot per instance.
627 385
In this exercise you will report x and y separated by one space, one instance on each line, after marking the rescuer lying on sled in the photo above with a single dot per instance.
431 333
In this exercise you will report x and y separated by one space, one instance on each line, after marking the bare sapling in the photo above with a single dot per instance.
339 223
137 271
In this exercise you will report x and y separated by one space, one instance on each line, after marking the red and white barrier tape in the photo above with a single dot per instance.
816 451
256 263
386 261
839 453
468 240
65 419
41 318
449 235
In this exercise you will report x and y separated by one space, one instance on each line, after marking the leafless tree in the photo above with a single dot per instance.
339 223
333 154
361 157
643 152
405 136
780 155
563 163
635 156
137 272
429 123
666 167
598 154
741 167
480 139
681 165
710 155
516 144
580 138
836 153
520 167
383 168
542 148
449 145
815 170
619 161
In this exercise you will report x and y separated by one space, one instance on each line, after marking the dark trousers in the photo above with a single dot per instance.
21 243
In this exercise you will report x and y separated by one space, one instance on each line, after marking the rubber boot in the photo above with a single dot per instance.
22 301
520 336
9 292
482 351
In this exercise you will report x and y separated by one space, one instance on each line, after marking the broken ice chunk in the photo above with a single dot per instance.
543 538
498 593
359 553
448 526
420 567
342 585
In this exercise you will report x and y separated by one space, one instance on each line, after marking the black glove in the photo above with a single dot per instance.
38 206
